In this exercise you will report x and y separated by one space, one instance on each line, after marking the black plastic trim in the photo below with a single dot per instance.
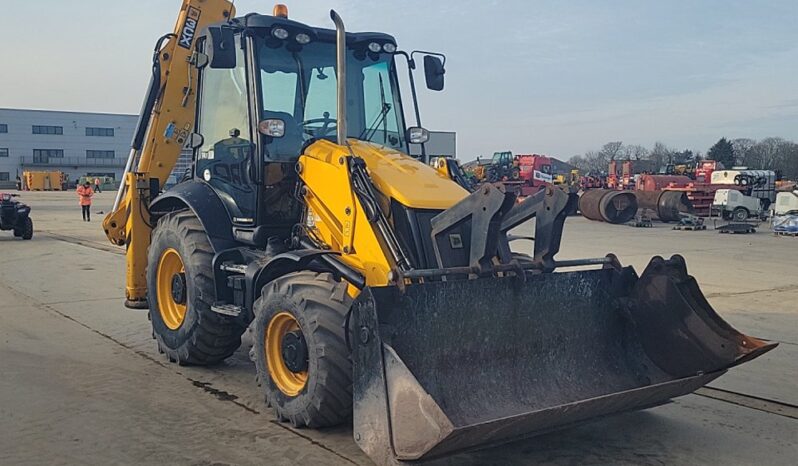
206 205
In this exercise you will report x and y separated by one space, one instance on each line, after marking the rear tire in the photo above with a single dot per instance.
315 305
188 333
26 231
740 214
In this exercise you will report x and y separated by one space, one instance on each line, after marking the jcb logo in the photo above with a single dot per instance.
189 28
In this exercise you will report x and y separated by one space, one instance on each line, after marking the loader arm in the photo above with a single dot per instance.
166 120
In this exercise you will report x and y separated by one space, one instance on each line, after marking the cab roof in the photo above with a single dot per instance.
268 22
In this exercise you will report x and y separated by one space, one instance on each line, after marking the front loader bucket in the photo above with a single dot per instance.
446 366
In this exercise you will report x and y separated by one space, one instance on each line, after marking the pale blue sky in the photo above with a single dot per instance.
530 76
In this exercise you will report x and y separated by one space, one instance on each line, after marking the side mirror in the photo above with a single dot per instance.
416 135
220 47
273 127
195 140
433 72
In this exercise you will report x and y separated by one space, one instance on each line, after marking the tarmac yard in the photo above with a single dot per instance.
81 380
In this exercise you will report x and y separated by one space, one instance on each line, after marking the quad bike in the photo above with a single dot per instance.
15 216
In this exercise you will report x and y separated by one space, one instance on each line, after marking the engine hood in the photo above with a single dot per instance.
407 180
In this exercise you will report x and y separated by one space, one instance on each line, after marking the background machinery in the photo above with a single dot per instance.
451 168
521 174
503 167
752 193
43 181
477 169
784 219
786 203
379 290
734 205
532 169
15 216
760 184
572 180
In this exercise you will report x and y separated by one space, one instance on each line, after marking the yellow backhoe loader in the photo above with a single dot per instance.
380 291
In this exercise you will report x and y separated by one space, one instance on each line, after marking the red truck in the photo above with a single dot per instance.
535 170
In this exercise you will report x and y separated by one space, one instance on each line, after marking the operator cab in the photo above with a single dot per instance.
270 90
502 158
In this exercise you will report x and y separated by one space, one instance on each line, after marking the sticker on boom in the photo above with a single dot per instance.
189 29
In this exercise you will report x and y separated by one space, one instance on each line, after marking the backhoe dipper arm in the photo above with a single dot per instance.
166 120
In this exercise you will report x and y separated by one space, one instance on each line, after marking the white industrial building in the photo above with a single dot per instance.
76 143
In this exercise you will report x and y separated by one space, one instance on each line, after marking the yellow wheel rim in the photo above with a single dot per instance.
172 312
290 383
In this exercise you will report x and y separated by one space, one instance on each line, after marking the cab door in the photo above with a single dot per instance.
226 158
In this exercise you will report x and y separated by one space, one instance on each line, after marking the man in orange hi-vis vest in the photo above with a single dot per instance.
85 194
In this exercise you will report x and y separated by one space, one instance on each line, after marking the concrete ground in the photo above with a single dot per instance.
81 381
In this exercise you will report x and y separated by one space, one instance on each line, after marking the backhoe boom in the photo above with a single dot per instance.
166 120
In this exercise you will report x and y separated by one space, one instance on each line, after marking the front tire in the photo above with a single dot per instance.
303 364
740 214
180 293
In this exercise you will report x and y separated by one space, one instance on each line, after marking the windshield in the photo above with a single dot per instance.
501 157
300 89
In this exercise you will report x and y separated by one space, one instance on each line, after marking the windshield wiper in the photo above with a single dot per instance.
385 114
380 119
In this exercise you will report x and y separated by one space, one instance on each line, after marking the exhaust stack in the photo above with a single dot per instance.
340 33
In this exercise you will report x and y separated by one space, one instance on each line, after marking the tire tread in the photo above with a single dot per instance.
331 402
214 338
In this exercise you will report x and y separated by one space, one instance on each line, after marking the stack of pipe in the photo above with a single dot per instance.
667 205
607 205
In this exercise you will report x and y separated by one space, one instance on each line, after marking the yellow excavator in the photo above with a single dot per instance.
380 291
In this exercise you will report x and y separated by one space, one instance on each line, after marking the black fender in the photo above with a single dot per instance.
259 274
206 205
23 212
309 259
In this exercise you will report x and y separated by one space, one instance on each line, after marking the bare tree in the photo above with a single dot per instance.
611 150
769 154
683 157
742 147
577 161
789 162
660 155
634 152
591 162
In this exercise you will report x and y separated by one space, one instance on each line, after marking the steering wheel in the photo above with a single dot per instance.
325 128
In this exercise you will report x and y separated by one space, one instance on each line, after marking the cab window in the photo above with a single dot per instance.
224 160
